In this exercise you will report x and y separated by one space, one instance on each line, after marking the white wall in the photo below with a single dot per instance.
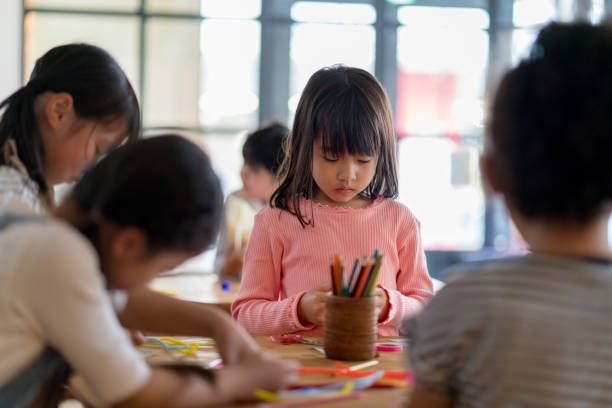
10 46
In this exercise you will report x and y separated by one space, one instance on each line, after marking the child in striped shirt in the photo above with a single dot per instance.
535 331
336 196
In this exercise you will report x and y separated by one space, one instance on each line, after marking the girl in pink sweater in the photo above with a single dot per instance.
336 197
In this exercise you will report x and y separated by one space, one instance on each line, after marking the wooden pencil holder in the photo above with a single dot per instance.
350 328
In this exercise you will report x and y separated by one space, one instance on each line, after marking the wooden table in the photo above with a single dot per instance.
378 398
198 287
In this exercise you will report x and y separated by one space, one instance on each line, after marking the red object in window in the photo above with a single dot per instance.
424 95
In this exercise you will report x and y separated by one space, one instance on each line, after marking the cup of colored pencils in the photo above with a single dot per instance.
350 311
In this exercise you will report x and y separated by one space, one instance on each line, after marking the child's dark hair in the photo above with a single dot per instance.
551 126
164 185
100 92
349 109
264 147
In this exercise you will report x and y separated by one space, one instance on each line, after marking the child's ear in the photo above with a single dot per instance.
59 108
129 243
491 174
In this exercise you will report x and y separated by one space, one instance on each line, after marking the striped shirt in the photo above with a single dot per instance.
15 186
534 331
283 261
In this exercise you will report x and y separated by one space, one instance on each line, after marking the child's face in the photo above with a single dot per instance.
126 259
258 183
70 149
341 179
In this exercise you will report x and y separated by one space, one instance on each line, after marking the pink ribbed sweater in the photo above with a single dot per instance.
284 260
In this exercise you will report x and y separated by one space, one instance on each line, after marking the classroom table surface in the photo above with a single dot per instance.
308 357
198 287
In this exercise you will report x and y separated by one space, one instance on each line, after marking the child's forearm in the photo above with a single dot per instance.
262 317
150 311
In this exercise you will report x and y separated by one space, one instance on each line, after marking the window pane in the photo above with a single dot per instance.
528 12
439 115
172 71
207 8
522 40
439 181
598 11
314 46
318 12
230 74
117 35
106 5
439 17
231 8
174 6
440 81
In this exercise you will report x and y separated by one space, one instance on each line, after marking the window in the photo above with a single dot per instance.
116 34
218 68
439 117
195 63
326 34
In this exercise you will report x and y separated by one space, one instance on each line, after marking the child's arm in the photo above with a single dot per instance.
257 307
150 311
414 286
172 388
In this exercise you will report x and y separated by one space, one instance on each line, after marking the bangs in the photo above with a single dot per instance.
345 124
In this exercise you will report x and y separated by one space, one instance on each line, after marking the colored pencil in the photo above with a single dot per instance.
374 277
363 275
350 282
333 275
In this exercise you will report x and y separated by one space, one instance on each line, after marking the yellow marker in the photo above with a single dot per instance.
348 387
192 346
265 395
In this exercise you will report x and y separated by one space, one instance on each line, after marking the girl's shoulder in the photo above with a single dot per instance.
393 206
272 215
16 186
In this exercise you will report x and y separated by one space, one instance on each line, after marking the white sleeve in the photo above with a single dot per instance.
66 294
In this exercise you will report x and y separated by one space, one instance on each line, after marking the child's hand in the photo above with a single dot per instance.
233 342
260 371
312 305
137 337
382 303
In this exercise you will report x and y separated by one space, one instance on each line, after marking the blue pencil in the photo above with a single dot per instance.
348 288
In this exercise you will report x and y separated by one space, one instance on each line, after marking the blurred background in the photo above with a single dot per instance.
216 69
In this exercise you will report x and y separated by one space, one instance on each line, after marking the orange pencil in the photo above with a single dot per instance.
337 274
363 276
333 275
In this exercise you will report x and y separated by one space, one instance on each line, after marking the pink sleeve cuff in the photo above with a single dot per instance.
293 314
400 307
392 307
